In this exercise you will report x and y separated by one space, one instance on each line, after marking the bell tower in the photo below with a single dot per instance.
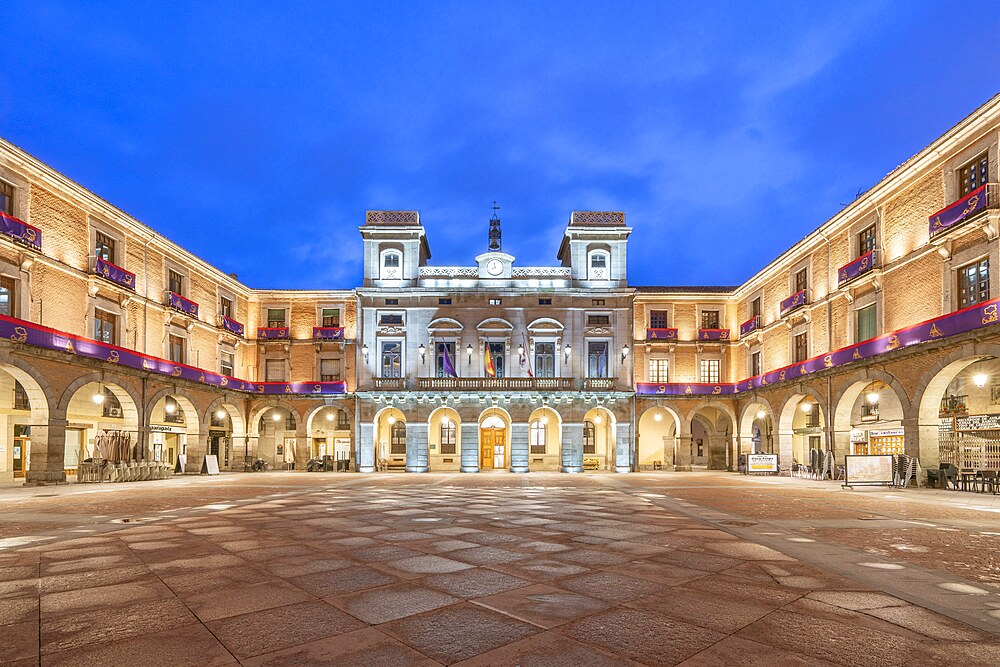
495 244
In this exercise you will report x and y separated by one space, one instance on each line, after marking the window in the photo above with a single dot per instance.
801 351
755 307
709 370
448 436
8 296
329 370
104 327
973 175
598 320
274 370
392 302
974 283
444 302
709 319
589 438
866 240
397 438
21 401
111 406
225 307
276 318
495 302
497 353
175 282
227 361
599 261
172 413
391 266
755 364
390 319
597 302
392 359
442 351
801 280
176 349
866 326
330 317
545 302
290 421
812 421
658 370
104 247
545 359
597 359
342 423
536 437
6 198
657 319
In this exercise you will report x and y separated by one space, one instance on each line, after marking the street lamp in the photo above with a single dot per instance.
423 352
468 351
364 351
624 352
568 349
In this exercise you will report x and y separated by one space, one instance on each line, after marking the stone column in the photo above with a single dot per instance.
416 448
48 451
470 447
623 448
519 447
785 450
197 448
572 447
682 460
717 447
366 448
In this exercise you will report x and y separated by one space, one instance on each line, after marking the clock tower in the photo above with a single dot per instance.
493 263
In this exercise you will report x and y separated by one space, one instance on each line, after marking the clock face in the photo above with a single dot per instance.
494 267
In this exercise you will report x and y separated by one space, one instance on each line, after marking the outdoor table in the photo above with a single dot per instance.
968 478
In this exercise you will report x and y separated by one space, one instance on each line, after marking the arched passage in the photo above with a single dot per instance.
757 429
390 439
24 418
173 425
599 439
227 435
711 437
495 447
95 408
800 429
328 429
868 417
444 439
274 427
545 441
657 435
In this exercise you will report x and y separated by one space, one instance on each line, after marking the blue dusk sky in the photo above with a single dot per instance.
257 134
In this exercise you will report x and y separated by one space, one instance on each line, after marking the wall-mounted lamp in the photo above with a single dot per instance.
520 350
329 416
657 416
597 419
980 379
391 420
567 350
468 351
276 416
624 352
761 414
170 408
872 397
544 420
364 351
423 353
807 407
220 414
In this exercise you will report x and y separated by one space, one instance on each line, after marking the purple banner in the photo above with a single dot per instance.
28 333
713 334
21 231
860 266
973 317
182 304
750 325
661 334
115 274
794 301
231 325
965 207
328 333
272 333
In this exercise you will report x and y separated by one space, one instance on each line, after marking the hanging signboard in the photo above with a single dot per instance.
762 463
977 423
868 470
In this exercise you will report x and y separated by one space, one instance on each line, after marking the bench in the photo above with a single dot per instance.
592 464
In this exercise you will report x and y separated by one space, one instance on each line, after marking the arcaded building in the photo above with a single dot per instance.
875 333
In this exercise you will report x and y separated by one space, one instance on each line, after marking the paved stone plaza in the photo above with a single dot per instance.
501 569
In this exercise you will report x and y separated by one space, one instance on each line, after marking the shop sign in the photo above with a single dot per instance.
887 433
977 423
163 428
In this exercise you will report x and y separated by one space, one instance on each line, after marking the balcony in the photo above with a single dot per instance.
599 384
182 304
328 333
859 267
388 384
750 326
502 384
661 334
231 325
721 335
794 302
113 273
20 231
272 333
967 208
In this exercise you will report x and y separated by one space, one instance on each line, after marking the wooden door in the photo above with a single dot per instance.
499 447
486 447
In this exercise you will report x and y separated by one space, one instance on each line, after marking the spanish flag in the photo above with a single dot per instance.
491 370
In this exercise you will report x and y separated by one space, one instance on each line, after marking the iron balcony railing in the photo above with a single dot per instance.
476 384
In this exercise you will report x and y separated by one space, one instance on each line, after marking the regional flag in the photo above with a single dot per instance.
446 364
491 371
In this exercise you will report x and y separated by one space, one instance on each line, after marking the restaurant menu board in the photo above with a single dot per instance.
868 470
762 463
977 423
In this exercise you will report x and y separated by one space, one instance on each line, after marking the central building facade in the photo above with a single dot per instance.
494 366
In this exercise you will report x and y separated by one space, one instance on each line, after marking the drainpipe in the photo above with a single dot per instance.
145 301
829 346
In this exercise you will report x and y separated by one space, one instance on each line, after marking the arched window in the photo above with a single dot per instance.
397 438
589 438
448 436
392 265
536 437
599 265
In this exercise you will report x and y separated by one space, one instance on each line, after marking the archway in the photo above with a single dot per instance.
757 429
275 427
657 435
800 429
711 437
868 418
444 439
98 407
24 407
599 442
495 451
545 443
173 426
390 439
227 436
328 429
